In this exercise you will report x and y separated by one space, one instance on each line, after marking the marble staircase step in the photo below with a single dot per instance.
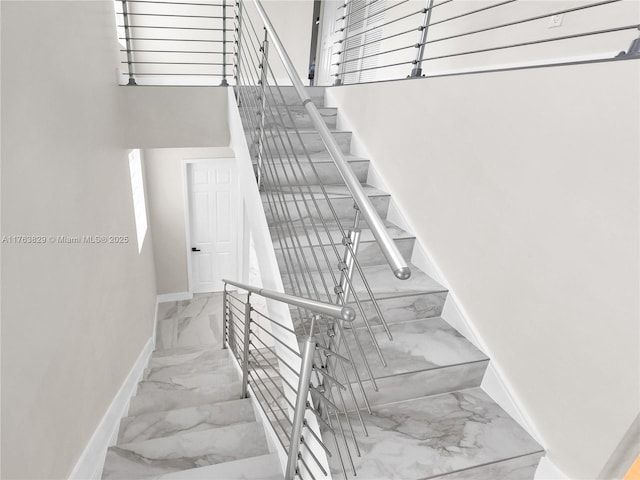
425 357
199 365
303 245
289 205
263 467
159 401
193 354
459 435
318 168
172 383
287 141
289 117
185 420
158 456
399 300
283 96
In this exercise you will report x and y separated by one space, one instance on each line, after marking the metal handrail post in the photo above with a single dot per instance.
264 66
127 39
224 82
224 317
238 46
245 344
306 370
390 250
417 69
341 56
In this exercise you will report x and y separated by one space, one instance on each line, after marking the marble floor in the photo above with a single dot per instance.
190 322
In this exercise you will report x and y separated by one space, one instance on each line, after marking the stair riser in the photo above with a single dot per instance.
282 96
325 173
165 424
398 309
160 456
343 208
408 386
369 254
521 468
186 382
162 402
296 117
309 142
186 368
213 354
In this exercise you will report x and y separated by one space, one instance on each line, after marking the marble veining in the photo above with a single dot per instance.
157 401
193 322
187 382
185 420
263 467
431 436
182 452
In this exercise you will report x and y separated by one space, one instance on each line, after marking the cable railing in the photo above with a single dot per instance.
377 40
292 385
174 42
315 226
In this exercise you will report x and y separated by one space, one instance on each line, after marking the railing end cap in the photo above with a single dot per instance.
402 273
348 314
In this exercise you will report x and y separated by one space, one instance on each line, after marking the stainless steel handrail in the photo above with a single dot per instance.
391 252
322 308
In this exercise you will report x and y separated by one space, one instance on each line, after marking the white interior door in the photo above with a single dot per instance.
213 213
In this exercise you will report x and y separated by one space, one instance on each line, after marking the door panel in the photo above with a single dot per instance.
213 193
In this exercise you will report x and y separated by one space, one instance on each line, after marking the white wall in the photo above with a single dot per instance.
157 117
523 186
165 190
74 317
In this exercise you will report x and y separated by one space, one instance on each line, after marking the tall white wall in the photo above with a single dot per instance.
74 317
524 188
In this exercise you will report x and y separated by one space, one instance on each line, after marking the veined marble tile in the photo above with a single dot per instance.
336 206
185 382
185 420
169 400
182 452
303 140
195 354
519 468
198 366
292 117
264 467
417 345
427 437
424 383
191 322
301 170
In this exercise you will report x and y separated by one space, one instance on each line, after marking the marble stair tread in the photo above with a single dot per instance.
184 420
436 436
263 467
316 157
383 283
159 456
290 193
180 382
159 401
424 344
303 234
201 364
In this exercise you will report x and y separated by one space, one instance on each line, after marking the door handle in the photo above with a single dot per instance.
194 249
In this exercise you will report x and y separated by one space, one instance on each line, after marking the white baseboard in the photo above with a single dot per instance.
174 297
91 461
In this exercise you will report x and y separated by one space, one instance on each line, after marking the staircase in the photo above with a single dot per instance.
187 420
429 417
